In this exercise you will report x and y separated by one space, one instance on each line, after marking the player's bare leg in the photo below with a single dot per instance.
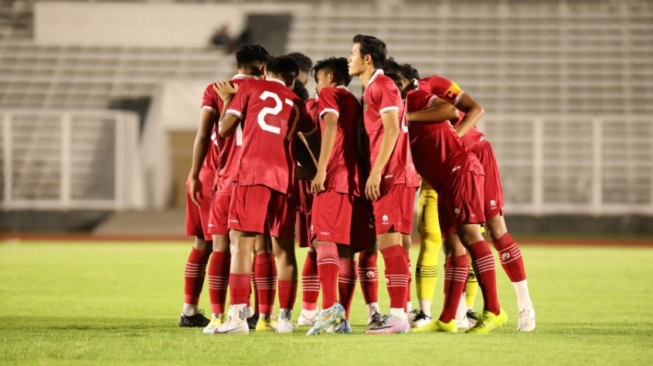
513 264
390 245
284 250
194 273
240 280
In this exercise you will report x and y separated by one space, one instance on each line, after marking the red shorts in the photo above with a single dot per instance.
219 215
363 236
255 208
395 209
197 219
492 189
304 203
331 218
461 202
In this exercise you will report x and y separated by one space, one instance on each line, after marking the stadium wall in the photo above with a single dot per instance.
134 25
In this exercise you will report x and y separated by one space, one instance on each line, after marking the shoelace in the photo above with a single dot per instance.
377 318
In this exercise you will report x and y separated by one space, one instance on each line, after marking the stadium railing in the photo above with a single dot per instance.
53 160
574 164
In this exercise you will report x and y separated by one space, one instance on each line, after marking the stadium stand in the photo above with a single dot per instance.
566 85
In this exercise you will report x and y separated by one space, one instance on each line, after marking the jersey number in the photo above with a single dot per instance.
273 111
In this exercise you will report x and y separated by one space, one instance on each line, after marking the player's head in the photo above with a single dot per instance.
251 59
301 91
391 66
304 63
331 71
367 52
408 71
283 68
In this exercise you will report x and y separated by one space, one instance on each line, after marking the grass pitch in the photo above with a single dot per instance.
118 303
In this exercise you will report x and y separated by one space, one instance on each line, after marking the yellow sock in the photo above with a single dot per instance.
426 271
472 285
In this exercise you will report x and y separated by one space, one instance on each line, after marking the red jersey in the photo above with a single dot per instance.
207 171
223 152
381 96
451 92
344 171
438 151
312 108
271 115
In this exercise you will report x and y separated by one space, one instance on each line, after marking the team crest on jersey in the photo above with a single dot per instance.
457 211
385 219
365 105
493 204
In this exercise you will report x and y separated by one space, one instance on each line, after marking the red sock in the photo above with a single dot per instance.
194 274
310 282
396 275
346 283
455 274
239 286
510 257
266 280
368 274
448 264
328 265
287 294
253 288
483 263
410 278
218 280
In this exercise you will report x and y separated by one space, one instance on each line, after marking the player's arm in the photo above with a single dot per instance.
390 120
328 141
473 113
229 119
438 110
200 149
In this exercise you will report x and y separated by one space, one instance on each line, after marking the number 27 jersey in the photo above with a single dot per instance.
271 115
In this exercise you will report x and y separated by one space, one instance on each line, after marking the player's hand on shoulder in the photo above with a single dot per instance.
225 89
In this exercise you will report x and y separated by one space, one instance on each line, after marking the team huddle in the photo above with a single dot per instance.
269 161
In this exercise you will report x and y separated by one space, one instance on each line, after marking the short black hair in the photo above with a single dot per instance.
396 79
250 53
336 65
301 90
284 66
370 45
391 66
409 72
303 62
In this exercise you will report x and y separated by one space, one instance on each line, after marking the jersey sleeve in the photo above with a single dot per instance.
210 99
386 95
419 100
239 103
445 89
328 102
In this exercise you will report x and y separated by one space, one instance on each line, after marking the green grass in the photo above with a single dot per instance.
118 303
